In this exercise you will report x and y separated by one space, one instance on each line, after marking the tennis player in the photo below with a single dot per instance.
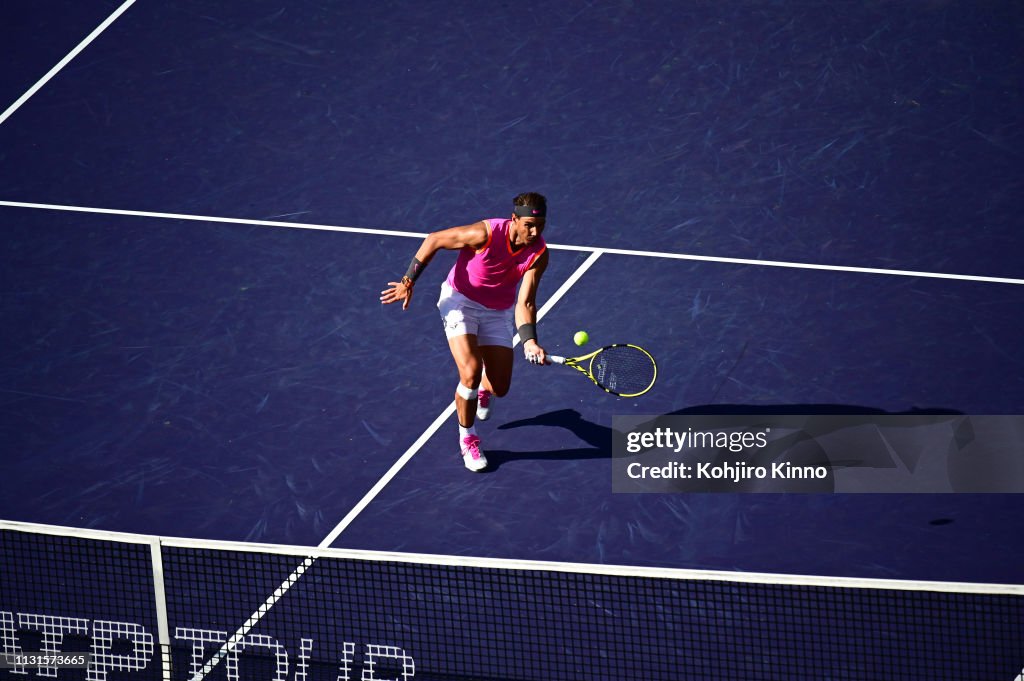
480 309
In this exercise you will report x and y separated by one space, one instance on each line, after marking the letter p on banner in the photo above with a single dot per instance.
391 659
104 661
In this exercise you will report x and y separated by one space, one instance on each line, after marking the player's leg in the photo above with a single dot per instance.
495 341
498 362
461 326
470 362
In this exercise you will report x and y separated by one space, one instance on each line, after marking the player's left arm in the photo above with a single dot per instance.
526 310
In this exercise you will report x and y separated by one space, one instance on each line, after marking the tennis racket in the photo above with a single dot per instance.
621 369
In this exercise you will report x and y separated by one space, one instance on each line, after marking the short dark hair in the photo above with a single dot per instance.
532 199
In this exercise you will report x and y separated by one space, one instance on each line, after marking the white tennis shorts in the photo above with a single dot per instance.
462 317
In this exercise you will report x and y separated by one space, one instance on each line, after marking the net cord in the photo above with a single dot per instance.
530 565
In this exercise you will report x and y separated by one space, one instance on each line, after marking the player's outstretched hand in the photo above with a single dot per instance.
399 291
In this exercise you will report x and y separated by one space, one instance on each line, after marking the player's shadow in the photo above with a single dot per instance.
599 439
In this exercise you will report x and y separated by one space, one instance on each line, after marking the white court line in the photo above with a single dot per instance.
65 61
587 249
389 476
811 266
208 218
368 498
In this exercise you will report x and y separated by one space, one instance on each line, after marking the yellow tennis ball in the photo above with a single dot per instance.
581 338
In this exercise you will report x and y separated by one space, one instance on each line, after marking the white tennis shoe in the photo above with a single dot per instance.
483 404
472 455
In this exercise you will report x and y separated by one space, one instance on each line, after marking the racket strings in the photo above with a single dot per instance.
624 370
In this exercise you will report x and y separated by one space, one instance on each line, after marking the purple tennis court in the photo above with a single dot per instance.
204 408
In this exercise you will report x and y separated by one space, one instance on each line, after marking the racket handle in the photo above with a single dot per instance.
552 359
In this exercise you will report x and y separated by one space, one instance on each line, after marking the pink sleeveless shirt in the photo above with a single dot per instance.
490 276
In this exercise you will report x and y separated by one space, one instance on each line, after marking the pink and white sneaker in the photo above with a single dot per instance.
483 404
472 455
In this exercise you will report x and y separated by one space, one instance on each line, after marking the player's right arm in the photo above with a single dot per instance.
473 236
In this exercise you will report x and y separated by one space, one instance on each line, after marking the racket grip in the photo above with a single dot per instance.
556 359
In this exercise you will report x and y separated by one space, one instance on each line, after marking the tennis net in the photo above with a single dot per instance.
159 608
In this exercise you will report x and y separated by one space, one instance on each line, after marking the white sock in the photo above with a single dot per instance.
465 432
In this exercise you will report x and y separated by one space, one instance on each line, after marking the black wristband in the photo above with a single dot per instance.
414 271
527 332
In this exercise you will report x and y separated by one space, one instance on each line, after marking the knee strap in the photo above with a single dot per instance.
466 393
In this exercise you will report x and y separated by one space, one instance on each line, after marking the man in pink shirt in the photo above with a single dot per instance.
480 308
